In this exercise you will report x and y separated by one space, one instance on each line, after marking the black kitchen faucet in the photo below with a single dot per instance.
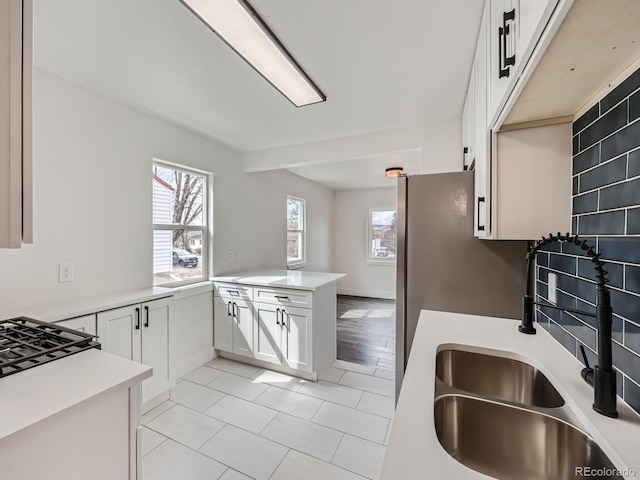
602 377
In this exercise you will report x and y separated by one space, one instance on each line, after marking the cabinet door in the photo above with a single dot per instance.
243 322
86 324
119 331
297 349
156 329
483 156
502 54
222 324
532 19
267 343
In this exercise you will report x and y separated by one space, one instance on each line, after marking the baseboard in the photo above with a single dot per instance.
367 293
195 361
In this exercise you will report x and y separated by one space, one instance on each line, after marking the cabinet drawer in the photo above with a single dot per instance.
233 290
297 298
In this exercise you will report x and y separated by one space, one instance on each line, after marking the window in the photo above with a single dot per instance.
296 255
179 224
381 237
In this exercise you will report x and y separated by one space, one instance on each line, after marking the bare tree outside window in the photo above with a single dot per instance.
179 219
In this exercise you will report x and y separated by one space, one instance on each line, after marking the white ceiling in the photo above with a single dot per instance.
381 63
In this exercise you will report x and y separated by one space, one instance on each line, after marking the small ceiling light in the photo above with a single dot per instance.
393 172
238 25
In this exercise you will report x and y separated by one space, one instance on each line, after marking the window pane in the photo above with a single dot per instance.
177 256
179 197
383 234
294 214
294 246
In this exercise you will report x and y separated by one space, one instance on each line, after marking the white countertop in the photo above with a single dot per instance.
414 451
296 279
85 306
29 398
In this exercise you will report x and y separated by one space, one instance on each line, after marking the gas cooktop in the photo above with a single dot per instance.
26 343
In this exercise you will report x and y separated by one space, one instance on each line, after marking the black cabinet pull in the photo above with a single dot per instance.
278 317
284 325
228 309
465 151
146 316
137 318
504 31
234 292
235 314
480 227
283 297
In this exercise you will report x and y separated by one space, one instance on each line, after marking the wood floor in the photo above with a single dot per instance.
367 331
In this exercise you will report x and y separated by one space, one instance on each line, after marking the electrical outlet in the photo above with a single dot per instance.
65 272
230 255
552 294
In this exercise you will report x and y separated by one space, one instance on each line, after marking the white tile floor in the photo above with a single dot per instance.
230 421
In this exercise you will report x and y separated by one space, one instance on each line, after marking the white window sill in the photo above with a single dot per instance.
296 266
389 263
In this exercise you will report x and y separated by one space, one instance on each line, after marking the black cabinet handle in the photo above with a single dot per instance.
282 297
480 227
235 315
146 316
137 318
465 151
284 325
504 31
234 292
278 317
228 309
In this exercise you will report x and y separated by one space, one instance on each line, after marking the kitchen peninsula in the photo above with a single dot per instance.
278 319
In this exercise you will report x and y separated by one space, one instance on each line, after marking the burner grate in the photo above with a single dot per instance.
26 343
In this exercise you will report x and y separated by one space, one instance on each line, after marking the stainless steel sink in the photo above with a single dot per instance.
496 377
509 442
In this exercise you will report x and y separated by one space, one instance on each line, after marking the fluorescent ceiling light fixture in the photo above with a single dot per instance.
238 24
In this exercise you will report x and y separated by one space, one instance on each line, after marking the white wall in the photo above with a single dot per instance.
92 200
350 244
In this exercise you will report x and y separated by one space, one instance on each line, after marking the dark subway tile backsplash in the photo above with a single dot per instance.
606 210
604 126
606 223
587 159
610 172
589 116
623 90
626 139
625 194
634 106
634 163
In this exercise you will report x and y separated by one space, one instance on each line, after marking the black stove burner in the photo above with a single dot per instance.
26 343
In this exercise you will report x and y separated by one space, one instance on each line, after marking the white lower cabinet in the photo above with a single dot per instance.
85 324
266 324
142 333
234 330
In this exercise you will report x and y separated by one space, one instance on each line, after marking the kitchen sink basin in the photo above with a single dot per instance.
496 377
506 442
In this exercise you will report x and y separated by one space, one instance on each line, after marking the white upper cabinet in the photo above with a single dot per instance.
16 79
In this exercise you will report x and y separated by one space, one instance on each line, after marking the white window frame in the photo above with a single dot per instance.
298 263
371 260
205 229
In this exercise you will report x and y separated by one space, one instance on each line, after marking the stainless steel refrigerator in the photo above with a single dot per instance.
442 266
